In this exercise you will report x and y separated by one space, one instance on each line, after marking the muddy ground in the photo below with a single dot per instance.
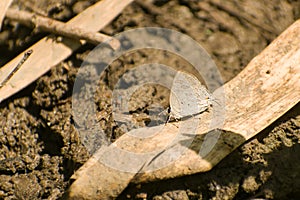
41 149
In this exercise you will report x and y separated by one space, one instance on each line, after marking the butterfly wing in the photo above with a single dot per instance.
188 96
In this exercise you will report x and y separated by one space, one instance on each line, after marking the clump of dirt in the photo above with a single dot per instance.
41 148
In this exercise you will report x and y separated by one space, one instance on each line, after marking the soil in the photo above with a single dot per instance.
41 148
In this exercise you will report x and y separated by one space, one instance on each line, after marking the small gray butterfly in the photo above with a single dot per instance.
188 96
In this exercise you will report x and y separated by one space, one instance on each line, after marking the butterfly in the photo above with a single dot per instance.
188 96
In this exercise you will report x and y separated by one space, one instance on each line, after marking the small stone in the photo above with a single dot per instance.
250 184
296 122
141 196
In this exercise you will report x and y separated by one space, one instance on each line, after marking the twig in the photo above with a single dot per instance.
60 28
25 57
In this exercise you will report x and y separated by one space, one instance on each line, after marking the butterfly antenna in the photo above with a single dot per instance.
217 102
214 100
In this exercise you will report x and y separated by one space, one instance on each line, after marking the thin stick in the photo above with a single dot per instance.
25 57
60 28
